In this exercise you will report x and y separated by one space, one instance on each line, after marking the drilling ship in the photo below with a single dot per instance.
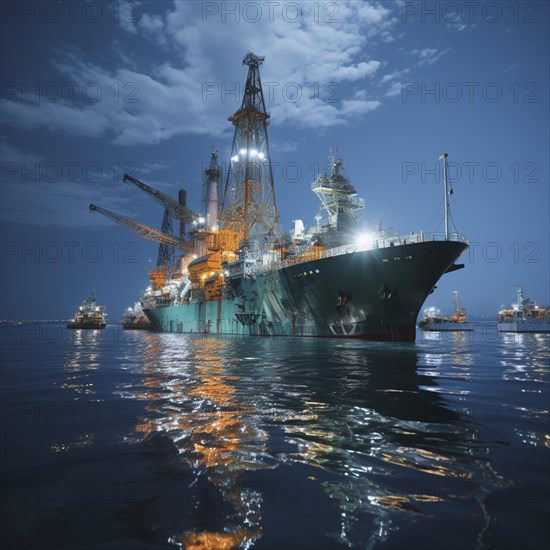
238 274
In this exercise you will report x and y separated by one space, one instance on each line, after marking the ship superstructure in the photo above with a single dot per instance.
89 315
339 200
524 315
236 273
135 318
434 320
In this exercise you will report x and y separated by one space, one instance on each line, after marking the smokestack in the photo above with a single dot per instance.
212 179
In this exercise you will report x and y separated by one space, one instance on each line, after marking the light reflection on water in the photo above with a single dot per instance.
376 437
82 357
285 442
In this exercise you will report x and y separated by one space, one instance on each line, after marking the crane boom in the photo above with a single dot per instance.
182 213
141 229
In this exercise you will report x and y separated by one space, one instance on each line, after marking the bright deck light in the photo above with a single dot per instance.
364 240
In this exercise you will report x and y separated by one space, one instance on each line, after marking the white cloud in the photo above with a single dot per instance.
428 56
153 26
154 23
373 14
284 146
394 89
396 74
356 72
125 14
55 116
395 79
358 106
455 21
173 97
149 167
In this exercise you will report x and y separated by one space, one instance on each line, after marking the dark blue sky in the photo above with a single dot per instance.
93 90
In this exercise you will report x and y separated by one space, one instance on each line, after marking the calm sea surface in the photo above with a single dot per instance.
136 440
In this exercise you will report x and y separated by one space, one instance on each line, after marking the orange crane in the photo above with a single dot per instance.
145 231
166 240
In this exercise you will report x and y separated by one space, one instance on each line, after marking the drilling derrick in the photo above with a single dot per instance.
248 207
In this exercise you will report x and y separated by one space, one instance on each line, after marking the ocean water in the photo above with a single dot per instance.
137 440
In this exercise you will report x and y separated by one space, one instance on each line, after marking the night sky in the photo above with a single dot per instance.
93 90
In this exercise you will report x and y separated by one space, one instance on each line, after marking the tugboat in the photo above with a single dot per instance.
524 316
433 320
89 315
135 319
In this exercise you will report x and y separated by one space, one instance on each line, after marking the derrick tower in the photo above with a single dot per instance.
248 206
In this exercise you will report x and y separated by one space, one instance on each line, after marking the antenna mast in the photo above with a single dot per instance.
446 190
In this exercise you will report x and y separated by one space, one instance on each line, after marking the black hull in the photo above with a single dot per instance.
369 295
89 326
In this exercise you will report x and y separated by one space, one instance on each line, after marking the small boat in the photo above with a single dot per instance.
89 315
524 316
434 320
135 319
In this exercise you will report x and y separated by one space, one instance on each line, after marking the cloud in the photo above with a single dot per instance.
284 146
125 14
358 106
356 72
153 26
395 80
62 117
188 89
149 167
11 154
394 89
428 56
396 74
455 21
38 191
512 67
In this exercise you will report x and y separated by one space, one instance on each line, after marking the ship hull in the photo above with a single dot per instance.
449 326
525 325
91 326
136 326
372 295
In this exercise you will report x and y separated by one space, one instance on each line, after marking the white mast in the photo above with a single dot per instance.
446 187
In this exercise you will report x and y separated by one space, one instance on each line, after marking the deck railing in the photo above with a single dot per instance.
377 243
